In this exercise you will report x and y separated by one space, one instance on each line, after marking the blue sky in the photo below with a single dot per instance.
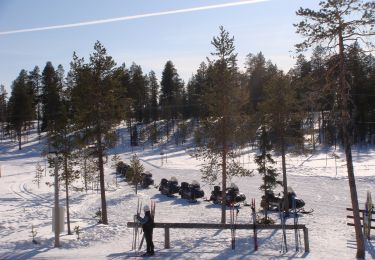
184 38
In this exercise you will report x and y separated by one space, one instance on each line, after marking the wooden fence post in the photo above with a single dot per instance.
167 244
306 239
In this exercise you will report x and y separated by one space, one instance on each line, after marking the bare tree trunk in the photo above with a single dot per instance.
224 186
19 137
285 180
101 177
67 193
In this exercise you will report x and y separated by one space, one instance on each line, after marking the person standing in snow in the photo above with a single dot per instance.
148 228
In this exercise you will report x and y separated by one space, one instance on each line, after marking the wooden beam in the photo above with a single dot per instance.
372 220
351 224
168 226
220 226
361 210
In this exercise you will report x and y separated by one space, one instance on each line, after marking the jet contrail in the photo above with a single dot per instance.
133 17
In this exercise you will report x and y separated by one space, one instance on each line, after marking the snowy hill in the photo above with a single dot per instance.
319 179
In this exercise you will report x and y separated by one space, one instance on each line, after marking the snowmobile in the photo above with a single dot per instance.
191 191
232 195
169 187
276 201
122 168
147 180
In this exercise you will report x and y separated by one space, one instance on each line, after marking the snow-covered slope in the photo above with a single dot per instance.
318 179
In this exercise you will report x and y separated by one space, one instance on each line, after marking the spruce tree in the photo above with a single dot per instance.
265 164
3 109
35 82
138 92
20 106
51 99
171 94
154 96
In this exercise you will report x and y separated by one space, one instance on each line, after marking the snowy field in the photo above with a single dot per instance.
318 179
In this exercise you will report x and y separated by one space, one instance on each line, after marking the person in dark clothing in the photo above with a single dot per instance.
148 226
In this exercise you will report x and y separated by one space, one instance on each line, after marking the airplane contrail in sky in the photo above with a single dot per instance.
133 17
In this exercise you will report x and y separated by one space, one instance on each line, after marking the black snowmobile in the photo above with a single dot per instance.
191 191
122 168
169 187
232 195
147 180
276 201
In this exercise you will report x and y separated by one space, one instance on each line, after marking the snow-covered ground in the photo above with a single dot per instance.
317 178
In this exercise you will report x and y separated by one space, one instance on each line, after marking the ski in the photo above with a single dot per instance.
370 208
136 227
254 218
295 218
232 225
284 246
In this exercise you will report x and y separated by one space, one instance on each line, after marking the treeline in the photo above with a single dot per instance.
38 96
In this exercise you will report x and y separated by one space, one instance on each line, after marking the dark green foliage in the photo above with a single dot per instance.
139 93
3 109
51 98
154 94
258 73
20 106
35 86
171 92
196 89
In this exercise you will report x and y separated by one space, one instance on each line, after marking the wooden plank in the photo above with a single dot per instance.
219 226
361 210
372 220
167 243
351 224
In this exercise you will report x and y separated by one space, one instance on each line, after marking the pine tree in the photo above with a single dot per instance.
223 126
99 104
336 23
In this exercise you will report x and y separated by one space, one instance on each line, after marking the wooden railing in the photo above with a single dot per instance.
168 226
